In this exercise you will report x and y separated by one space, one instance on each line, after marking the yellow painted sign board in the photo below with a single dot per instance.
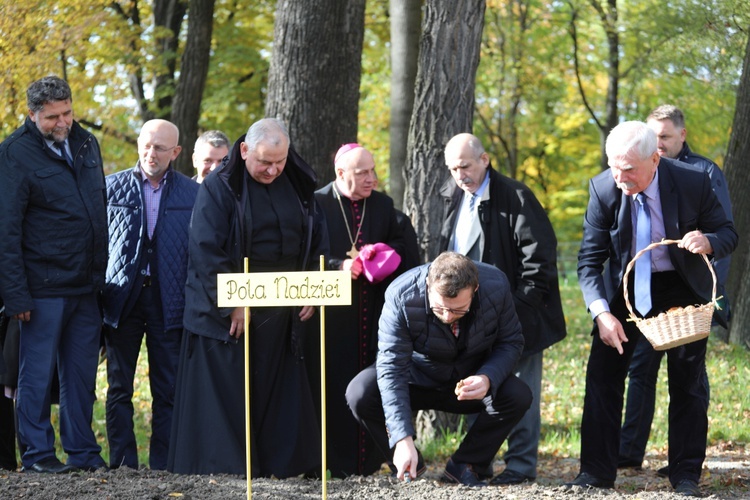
313 288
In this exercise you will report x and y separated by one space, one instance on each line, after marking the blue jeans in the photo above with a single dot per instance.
65 330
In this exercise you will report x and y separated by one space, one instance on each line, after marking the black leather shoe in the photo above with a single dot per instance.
50 465
629 464
688 488
508 477
484 472
458 473
93 468
586 480
663 472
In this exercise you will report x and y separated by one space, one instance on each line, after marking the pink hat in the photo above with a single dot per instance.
345 149
378 261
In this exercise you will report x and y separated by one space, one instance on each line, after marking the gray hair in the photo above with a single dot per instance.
452 272
45 90
668 112
270 130
630 139
215 138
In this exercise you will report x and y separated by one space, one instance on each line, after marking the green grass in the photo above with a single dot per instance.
562 399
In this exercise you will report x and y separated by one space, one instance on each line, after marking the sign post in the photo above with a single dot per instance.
298 288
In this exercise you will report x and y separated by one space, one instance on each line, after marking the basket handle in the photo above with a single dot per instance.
650 247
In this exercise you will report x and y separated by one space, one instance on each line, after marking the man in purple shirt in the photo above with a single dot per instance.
149 209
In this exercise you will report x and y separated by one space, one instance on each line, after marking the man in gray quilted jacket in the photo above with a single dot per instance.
448 340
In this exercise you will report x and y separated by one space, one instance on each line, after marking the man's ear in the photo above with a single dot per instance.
485 159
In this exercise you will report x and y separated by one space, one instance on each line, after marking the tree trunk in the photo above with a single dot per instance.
607 12
738 180
313 82
186 107
167 14
443 107
405 23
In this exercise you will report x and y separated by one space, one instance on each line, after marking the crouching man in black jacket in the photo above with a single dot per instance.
448 340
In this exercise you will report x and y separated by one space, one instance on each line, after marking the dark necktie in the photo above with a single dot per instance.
643 264
64 153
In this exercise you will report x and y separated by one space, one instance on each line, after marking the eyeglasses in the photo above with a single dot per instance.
443 310
158 149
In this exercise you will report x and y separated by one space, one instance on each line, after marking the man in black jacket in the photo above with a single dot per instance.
448 340
259 204
53 238
498 220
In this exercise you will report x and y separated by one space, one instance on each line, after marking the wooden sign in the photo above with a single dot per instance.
313 288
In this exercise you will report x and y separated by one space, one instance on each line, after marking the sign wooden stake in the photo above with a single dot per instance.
248 423
323 434
313 288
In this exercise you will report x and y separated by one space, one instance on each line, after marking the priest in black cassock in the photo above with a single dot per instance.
259 204
357 217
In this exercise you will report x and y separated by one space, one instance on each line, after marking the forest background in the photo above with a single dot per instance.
541 82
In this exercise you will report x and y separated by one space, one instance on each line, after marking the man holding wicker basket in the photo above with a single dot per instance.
637 208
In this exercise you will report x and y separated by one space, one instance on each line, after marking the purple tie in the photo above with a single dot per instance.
643 265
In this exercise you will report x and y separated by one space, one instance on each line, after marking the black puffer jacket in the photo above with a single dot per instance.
53 232
415 347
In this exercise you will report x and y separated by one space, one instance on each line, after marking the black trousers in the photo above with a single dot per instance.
688 392
484 437
123 348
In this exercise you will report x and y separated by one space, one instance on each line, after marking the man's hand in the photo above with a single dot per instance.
473 387
353 265
696 242
24 316
405 458
238 322
306 313
610 331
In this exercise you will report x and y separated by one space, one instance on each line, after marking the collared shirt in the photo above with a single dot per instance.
151 200
51 144
467 216
660 260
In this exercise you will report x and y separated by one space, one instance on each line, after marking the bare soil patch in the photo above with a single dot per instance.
726 475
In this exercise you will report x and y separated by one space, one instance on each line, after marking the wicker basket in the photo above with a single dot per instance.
678 326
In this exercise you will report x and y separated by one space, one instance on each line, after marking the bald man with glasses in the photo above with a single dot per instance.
149 208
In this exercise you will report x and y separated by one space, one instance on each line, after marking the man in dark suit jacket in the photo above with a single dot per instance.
682 207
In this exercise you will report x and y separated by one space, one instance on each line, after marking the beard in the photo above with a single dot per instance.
57 134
